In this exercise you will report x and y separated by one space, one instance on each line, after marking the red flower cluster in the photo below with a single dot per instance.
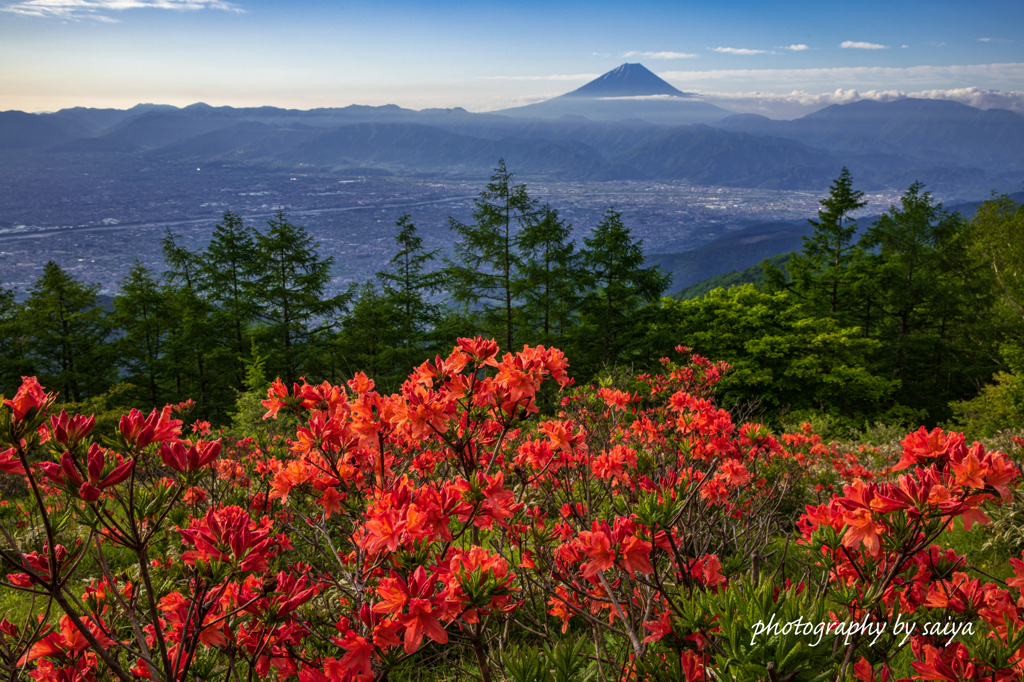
390 524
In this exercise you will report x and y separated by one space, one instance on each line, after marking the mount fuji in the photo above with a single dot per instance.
629 80
629 92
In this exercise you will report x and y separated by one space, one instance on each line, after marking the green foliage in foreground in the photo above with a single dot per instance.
782 356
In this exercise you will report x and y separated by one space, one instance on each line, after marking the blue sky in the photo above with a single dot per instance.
781 58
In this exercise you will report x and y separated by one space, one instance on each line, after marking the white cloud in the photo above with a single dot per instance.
856 45
984 40
736 50
796 48
91 9
910 77
981 98
658 55
799 102
604 55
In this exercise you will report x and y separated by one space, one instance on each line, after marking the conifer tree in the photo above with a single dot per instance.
288 294
194 338
144 318
619 282
928 294
821 272
487 262
549 282
407 285
227 269
183 265
373 339
66 331
13 364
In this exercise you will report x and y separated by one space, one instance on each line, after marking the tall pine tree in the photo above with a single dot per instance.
929 295
288 293
620 284
821 272
407 284
13 363
373 340
487 262
67 334
144 319
195 338
549 282
227 269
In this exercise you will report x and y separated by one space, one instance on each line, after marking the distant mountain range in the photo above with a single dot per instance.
921 130
623 125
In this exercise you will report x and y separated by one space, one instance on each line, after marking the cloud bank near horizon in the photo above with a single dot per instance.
550 77
863 76
799 103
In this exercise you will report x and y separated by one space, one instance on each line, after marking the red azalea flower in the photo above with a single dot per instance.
30 396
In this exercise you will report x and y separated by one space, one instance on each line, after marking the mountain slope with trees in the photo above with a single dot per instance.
914 309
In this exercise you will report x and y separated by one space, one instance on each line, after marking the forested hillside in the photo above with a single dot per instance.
897 321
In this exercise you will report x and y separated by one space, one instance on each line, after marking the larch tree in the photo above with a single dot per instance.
227 268
13 363
144 319
929 295
288 293
67 333
486 261
549 283
619 282
821 272
407 283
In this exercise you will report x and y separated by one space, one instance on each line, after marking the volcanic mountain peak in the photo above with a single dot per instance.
629 80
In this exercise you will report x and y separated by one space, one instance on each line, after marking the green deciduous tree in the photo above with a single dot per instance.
997 239
783 357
